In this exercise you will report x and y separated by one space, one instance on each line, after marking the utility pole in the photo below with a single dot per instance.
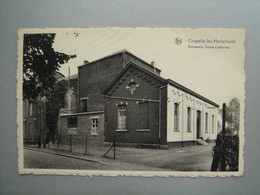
223 146
224 119
69 92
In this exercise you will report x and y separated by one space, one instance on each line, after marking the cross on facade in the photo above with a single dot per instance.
132 86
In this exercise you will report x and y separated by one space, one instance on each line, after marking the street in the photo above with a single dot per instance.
40 160
190 158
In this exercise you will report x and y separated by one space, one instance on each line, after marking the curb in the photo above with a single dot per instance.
73 156
66 155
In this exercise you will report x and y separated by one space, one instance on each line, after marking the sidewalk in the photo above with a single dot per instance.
190 158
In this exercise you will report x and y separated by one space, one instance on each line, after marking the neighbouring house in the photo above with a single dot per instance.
34 117
124 98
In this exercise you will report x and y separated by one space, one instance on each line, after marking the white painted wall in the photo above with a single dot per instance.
186 100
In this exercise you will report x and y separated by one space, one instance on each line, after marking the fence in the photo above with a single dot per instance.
71 143
83 145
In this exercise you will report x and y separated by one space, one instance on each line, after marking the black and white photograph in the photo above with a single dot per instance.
131 101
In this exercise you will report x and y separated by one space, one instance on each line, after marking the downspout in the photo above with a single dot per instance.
193 121
202 126
209 129
78 99
69 94
182 116
160 111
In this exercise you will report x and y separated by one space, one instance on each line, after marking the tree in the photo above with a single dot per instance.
232 116
40 63
226 150
55 101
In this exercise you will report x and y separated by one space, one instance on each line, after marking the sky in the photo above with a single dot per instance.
207 61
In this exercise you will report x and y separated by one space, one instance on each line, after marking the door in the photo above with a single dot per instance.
198 124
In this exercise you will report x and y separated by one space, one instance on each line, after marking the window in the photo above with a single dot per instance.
188 119
94 126
176 117
213 123
84 105
31 109
143 118
121 117
72 122
206 122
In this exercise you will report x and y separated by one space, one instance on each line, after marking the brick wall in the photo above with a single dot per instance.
101 73
148 89
83 129
98 74
95 100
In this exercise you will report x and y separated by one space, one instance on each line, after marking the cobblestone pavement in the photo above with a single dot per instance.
190 158
40 160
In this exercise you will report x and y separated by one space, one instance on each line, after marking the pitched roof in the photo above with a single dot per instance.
117 53
181 87
59 75
164 81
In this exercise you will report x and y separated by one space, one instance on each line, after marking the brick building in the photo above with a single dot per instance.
123 97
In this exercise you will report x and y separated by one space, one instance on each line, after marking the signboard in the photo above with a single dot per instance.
72 131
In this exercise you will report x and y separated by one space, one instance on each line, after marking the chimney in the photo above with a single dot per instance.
85 62
153 65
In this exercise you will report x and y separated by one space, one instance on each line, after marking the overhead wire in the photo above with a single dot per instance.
102 42
111 43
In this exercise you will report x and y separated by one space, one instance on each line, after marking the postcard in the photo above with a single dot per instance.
145 102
